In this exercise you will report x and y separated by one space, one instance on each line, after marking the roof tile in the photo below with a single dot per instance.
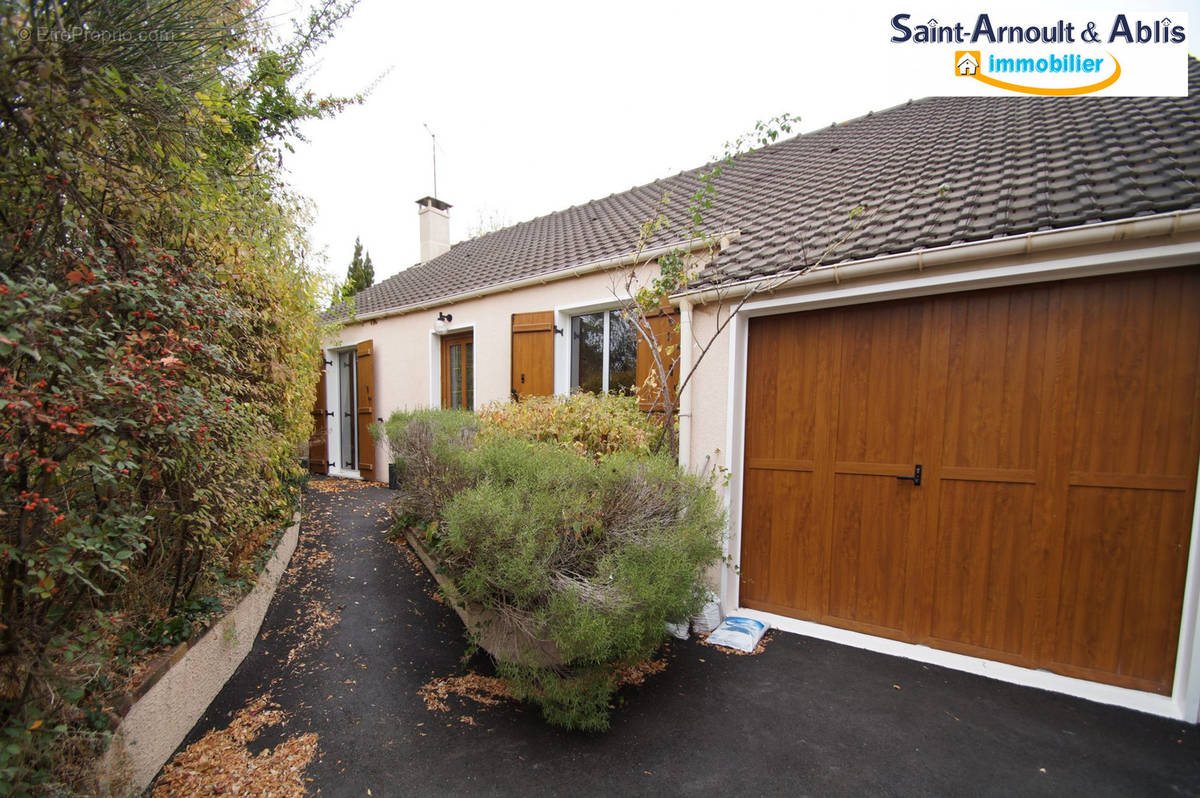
931 172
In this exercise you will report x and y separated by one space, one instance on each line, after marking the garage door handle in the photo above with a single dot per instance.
916 477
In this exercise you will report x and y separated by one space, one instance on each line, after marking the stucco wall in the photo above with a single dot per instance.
710 390
407 353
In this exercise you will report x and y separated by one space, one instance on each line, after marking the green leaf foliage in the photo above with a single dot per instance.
360 274
429 450
158 341
586 423
597 552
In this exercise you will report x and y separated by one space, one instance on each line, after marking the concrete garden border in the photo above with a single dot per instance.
176 695
495 634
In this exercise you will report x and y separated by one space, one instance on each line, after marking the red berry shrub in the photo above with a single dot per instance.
158 344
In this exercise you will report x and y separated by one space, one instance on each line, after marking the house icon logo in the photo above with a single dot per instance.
966 62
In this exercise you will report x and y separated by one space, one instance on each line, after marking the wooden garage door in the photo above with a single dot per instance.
1057 433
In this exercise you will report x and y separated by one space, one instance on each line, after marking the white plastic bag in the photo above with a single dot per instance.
740 633
678 630
709 617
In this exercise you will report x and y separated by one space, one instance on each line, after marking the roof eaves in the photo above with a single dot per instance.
1168 225
643 256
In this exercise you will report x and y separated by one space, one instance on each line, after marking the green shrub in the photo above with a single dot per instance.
552 514
585 423
428 448
158 343
577 699
595 556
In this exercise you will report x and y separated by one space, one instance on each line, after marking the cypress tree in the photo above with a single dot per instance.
361 273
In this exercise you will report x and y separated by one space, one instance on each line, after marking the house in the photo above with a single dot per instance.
967 62
1017 319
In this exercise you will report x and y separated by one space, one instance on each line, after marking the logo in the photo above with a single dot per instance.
1040 52
967 64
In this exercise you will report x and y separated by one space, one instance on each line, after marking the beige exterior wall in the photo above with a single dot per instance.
407 366
710 392
407 347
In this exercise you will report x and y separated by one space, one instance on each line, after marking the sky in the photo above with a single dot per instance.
540 106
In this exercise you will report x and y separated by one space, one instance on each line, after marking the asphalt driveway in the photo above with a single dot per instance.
355 632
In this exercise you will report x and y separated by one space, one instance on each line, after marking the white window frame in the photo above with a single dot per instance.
563 317
572 380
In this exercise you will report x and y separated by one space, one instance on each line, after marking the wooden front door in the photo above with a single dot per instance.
1057 431
458 371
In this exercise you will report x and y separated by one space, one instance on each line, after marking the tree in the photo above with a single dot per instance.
360 274
646 296
158 339
488 220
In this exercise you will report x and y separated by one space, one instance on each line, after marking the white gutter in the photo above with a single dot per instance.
684 368
629 259
1167 224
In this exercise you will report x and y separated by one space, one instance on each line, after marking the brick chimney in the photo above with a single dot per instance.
435 227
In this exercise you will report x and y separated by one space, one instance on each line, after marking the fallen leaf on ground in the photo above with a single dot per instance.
317 618
220 763
636 674
337 485
486 690
758 649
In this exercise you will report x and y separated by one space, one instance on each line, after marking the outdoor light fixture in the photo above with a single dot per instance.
444 317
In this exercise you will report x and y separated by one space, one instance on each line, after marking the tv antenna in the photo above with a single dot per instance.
433 149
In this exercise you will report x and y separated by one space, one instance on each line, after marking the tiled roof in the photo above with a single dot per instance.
932 172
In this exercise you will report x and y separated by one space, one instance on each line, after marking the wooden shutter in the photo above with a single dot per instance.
665 326
318 441
533 354
366 409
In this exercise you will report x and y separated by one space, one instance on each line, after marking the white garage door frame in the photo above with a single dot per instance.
1184 701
